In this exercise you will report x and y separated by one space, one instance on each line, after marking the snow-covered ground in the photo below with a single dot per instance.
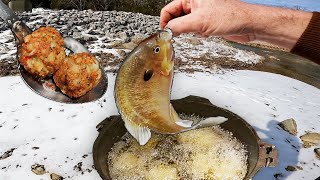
65 133
60 136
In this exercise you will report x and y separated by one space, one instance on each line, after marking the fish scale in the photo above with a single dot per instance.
142 90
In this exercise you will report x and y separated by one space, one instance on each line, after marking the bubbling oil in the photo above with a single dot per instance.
202 154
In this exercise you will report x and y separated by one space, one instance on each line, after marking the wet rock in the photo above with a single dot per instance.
291 168
310 139
317 152
138 37
7 154
289 125
129 45
38 169
54 176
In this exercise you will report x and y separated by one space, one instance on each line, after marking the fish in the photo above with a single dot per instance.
142 90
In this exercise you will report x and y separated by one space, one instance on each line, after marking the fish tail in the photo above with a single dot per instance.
211 121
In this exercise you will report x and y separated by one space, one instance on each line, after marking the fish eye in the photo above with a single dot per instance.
156 49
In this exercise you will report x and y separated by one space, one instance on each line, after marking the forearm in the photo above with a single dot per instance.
279 26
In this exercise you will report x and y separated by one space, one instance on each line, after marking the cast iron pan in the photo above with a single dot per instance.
260 154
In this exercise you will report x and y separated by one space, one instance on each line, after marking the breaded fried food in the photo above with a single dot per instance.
42 52
78 74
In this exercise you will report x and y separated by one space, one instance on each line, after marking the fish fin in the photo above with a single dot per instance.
173 114
141 134
184 123
211 121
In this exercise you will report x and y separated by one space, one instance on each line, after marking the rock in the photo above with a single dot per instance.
7 154
291 168
38 169
150 30
121 52
129 45
89 38
123 36
289 125
54 176
77 35
310 139
193 40
138 37
317 152
115 43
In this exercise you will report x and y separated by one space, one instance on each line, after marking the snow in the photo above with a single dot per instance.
66 132
211 48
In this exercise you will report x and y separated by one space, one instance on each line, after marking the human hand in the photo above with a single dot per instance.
227 18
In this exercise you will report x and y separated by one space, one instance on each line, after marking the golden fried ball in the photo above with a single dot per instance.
78 74
42 52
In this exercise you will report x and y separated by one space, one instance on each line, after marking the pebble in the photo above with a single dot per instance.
38 169
317 152
292 168
54 176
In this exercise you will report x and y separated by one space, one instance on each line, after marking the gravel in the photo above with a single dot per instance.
104 32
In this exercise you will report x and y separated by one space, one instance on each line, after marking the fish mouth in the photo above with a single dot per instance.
166 34
167 62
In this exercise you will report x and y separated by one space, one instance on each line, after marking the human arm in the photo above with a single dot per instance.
236 21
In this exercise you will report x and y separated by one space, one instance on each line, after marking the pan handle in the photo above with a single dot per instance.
18 28
268 156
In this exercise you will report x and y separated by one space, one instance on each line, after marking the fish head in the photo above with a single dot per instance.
158 51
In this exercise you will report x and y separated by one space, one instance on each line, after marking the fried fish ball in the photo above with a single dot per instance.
42 52
163 172
204 139
78 74
127 161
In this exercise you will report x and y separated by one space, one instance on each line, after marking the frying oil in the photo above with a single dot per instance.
202 154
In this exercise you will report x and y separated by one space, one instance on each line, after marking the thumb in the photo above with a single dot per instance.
184 24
